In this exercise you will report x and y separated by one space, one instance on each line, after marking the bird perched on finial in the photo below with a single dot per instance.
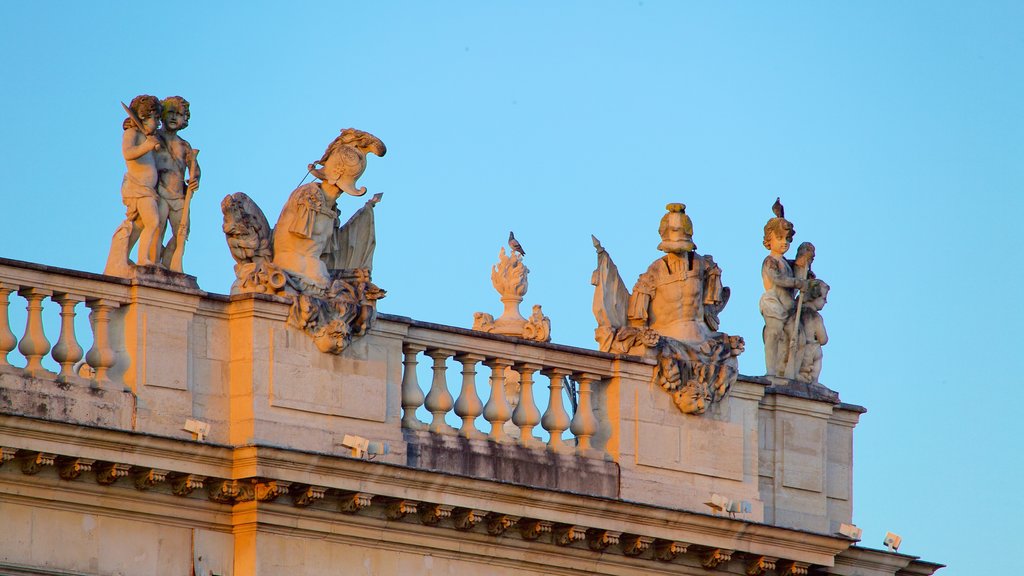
777 208
514 244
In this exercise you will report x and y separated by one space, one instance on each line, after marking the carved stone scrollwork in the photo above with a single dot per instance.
715 557
668 550
303 495
7 454
261 490
531 529
184 484
398 508
497 524
352 502
223 491
566 534
146 478
70 468
467 518
108 472
32 462
431 514
760 565
634 545
598 539
792 568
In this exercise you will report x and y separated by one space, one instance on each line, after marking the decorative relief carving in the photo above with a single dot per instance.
497 524
7 454
566 534
303 495
530 529
668 550
634 545
32 462
184 484
70 467
467 518
260 490
599 539
352 502
432 514
509 278
760 565
398 508
223 491
715 557
146 478
108 472
671 316
308 257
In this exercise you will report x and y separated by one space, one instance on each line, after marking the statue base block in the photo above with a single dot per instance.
157 277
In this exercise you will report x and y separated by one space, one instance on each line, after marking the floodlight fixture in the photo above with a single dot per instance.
198 428
357 444
850 531
892 541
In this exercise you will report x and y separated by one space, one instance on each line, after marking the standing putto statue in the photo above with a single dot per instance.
309 256
155 189
794 331
672 316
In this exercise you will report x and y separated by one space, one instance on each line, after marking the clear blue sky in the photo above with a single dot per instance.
892 130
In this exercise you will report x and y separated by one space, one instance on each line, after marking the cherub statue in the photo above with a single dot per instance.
138 189
174 158
812 335
778 303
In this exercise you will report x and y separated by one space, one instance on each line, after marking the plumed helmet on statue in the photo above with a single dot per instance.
676 236
345 159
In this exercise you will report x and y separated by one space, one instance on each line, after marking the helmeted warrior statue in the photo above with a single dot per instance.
671 315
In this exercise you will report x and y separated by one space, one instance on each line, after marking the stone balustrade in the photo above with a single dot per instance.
511 408
67 288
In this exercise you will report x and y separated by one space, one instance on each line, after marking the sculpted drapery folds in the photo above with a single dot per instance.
672 315
324 267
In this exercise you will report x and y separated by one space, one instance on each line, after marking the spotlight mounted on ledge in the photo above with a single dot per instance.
850 531
719 503
362 447
197 428
892 541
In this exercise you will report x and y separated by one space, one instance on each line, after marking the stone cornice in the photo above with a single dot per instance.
262 476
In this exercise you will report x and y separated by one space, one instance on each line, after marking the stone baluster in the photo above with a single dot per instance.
584 424
556 419
67 351
412 396
7 339
496 410
526 416
439 400
34 344
468 406
101 357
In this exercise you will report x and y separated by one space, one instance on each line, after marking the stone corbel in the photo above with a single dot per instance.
497 524
530 529
760 565
223 491
398 508
184 484
634 545
303 495
32 462
715 557
566 534
70 468
261 490
431 514
668 550
792 568
7 454
146 478
352 502
108 472
467 518
598 540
